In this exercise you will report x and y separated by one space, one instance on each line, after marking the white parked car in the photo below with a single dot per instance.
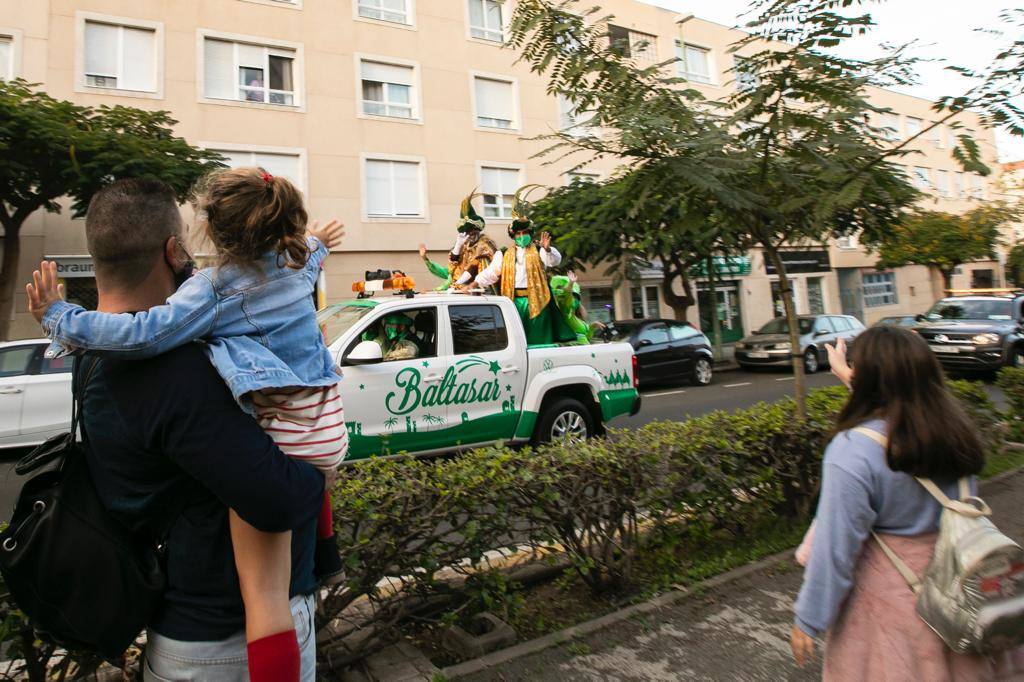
35 393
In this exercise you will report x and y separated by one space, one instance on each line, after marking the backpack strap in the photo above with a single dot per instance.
912 580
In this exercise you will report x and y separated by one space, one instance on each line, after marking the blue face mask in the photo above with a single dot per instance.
523 240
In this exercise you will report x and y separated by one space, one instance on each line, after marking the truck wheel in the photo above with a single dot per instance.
565 419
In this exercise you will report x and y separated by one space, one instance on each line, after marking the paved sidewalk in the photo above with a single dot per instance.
739 631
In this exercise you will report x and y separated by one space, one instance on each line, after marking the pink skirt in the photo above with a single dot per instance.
879 636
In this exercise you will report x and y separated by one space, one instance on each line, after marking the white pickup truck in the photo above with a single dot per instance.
473 381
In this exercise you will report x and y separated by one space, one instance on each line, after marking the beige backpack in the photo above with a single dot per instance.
972 593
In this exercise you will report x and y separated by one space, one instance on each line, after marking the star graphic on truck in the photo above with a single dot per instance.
494 367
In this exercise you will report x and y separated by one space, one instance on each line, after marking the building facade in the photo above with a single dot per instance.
387 112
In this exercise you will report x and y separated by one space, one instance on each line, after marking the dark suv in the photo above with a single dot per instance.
975 332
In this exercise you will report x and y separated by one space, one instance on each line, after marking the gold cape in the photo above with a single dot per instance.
536 282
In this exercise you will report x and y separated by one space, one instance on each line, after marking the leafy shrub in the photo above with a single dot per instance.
1011 380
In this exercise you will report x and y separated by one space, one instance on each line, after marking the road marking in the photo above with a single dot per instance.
786 379
657 395
745 383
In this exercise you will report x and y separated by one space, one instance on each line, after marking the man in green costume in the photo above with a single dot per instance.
565 291
520 269
392 337
472 252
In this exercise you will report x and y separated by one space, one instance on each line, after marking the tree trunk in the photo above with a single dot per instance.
9 275
786 291
680 304
947 280
716 324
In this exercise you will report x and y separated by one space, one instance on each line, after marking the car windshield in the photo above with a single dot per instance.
335 320
623 329
779 326
971 309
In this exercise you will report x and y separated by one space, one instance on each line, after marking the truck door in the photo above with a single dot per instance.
486 380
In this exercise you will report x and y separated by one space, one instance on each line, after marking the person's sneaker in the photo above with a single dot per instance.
327 563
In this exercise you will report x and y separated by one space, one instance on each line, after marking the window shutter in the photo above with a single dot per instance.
387 73
218 69
100 49
378 188
281 165
139 59
407 188
494 99
697 61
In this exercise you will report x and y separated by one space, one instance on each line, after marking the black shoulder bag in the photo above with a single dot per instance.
85 580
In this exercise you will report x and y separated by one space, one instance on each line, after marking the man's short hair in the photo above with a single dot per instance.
128 224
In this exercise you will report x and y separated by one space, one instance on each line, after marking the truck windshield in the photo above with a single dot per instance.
971 309
335 320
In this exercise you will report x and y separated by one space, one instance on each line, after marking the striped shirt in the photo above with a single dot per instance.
307 423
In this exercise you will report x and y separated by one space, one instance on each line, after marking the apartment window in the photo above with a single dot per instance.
922 177
570 120
977 186
645 302
958 184
393 189
485 20
395 11
599 302
879 289
891 126
120 57
694 63
248 72
387 89
6 57
495 103
498 186
746 79
285 165
643 46
913 126
849 241
937 137
942 182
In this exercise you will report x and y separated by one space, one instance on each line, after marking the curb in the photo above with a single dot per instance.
667 599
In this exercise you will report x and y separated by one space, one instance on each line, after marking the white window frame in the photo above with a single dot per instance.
738 73
287 4
410 15
415 99
516 127
683 67
300 152
364 194
129 22
517 167
850 242
298 70
506 13
16 36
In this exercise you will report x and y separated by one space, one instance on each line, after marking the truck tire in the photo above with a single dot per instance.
564 419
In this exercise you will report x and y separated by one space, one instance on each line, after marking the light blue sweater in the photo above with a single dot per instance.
859 492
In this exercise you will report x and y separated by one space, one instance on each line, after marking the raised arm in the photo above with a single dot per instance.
492 273
550 257
188 315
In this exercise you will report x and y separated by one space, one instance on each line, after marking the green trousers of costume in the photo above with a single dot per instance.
545 329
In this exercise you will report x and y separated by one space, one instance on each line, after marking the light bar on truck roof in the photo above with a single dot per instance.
371 286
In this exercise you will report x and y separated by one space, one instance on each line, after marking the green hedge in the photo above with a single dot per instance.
1011 380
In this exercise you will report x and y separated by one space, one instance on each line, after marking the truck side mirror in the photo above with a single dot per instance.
365 353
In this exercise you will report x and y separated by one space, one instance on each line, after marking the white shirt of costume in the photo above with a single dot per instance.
492 273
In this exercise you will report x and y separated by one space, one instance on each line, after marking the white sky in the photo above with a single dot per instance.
944 29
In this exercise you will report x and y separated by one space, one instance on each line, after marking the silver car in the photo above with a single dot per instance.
770 344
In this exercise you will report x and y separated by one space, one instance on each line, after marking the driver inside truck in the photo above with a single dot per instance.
394 336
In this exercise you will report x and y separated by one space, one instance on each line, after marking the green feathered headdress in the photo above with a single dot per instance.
521 209
469 219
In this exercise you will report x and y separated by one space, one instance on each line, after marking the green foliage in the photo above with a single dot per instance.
1015 265
1011 381
943 240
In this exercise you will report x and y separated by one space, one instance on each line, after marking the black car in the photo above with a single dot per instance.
667 349
975 332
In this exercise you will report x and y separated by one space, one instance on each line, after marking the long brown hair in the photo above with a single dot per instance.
897 378
249 212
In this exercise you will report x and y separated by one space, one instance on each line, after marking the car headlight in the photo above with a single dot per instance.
985 339
740 345
783 346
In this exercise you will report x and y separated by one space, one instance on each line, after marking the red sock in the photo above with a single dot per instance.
325 524
274 658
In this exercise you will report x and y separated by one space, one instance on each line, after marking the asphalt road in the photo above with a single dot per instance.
730 390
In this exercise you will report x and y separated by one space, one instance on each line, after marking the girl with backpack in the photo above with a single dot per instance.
900 422
254 312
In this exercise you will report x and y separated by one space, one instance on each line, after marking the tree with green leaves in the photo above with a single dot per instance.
1015 265
944 240
787 160
50 149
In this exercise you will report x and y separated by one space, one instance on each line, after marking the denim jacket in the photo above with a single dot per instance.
258 324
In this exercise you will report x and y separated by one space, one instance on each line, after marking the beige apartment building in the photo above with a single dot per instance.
387 112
